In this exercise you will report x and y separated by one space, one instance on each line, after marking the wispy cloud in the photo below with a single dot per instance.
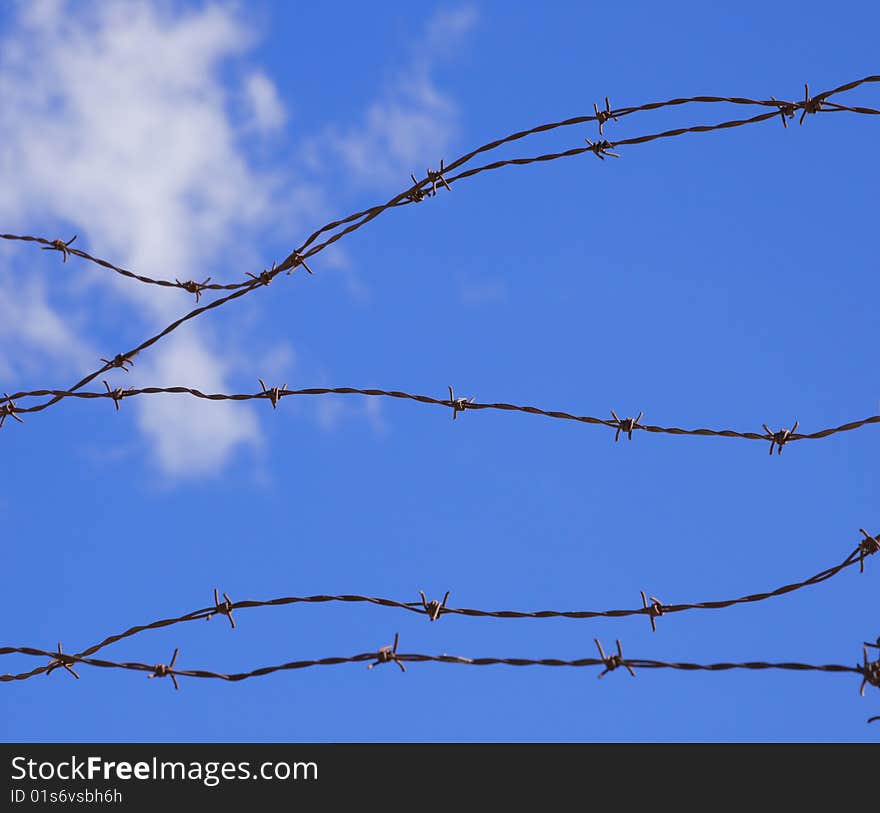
35 331
120 122
409 126
115 119
192 437
265 107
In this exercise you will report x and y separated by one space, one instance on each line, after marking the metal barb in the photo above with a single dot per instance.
625 425
64 661
809 105
193 287
298 259
265 276
458 404
435 176
603 116
60 245
8 410
870 669
780 438
117 395
612 661
120 360
418 194
273 394
786 110
867 546
601 148
222 609
654 609
388 653
163 670
433 609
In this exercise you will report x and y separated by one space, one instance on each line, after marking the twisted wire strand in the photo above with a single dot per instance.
435 610
384 656
276 395
416 192
616 113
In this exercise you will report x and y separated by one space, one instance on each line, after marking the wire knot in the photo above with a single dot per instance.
64 661
786 110
603 116
274 394
601 148
867 546
117 395
612 662
8 410
163 670
809 105
417 194
780 438
434 609
222 609
120 360
870 670
60 245
458 404
388 653
193 287
625 425
298 259
654 609
265 276
435 176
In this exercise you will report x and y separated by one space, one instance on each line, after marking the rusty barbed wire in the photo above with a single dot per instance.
815 104
434 609
387 654
458 404
417 192
429 186
868 670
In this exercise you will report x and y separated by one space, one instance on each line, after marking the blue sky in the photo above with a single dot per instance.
723 280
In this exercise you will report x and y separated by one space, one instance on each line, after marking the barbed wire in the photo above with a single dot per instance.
387 654
777 439
816 104
419 191
428 186
868 670
434 609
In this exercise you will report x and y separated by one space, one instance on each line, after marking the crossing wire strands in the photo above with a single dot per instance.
434 181
434 609
813 105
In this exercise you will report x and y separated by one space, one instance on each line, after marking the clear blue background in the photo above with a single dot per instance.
721 280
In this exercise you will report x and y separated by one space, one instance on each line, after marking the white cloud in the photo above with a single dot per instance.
35 331
411 125
373 413
266 109
446 29
118 123
192 437
115 119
